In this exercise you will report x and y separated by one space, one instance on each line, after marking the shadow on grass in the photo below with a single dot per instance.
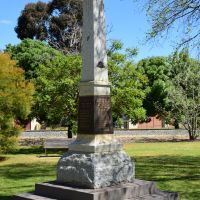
49 156
3 158
19 178
173 173
26 171
36 150
167 168
5 197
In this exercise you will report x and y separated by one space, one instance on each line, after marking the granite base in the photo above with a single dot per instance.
95 170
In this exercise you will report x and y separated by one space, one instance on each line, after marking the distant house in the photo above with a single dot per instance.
153 123
33 126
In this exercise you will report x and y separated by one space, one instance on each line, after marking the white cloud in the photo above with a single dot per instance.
4 21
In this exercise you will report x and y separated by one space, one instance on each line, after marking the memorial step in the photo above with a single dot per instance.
30 196
149 197
129 190
139 190
158 195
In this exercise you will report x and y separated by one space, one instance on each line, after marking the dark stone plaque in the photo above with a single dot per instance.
95 116
85 114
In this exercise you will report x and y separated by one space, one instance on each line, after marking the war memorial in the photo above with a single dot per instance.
96 167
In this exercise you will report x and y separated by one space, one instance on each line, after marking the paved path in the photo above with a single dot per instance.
47 134
152 132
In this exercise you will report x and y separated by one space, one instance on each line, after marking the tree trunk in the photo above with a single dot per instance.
176 124
191 135
70 134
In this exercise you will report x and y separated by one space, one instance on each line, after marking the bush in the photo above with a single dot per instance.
15 101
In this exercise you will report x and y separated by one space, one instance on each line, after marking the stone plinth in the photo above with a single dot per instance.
95 144
95 161
95 170
139 190
94 88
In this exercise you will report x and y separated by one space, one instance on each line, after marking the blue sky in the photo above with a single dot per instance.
127 19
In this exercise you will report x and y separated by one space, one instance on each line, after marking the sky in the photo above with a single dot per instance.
127 21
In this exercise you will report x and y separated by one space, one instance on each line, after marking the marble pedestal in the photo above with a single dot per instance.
93 162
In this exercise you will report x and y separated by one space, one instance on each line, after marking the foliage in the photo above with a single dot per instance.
56 94
183 16
29 54
184 94
57 22
57 85
127 84
56 78
157 70
15 101
173 90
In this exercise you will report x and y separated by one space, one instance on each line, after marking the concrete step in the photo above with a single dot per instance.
149 197
158 195
129 190
139 190
167 195
30 196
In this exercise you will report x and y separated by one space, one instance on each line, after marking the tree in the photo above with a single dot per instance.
58 22
56 79
182 15
56 94
158 71
15 101
127 83
184 94
29 54
31 23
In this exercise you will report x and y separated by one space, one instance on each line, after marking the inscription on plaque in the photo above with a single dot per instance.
95 115
103 114
85 114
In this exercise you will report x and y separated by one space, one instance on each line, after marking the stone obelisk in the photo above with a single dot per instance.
95 159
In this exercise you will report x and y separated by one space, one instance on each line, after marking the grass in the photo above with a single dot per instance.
174 166
21 170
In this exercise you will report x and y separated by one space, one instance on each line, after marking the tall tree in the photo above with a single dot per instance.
127 84
184 94
56 94
179 15
15 101
32 21
158 71
56 81
65 23
58 22
29 54
56 77
57 84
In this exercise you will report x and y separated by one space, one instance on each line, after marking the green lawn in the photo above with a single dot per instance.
174 166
